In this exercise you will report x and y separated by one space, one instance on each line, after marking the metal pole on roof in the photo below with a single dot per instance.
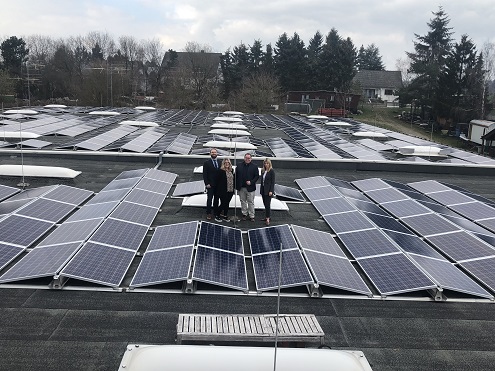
278 307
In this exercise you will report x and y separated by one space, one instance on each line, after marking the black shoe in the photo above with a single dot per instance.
226 218
218 219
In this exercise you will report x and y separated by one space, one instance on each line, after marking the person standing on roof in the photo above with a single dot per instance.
245 182
211 167
267 188
225 190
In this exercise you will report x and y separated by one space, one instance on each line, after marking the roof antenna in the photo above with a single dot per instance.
278 308
22 184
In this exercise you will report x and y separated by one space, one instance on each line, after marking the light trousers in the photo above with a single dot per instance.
247 202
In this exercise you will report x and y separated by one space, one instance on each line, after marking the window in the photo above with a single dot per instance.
389 92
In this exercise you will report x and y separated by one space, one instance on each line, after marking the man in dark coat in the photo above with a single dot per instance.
210 175
246 176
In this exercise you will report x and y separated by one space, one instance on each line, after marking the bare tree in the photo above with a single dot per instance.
259 91
488 52
103 39
403 65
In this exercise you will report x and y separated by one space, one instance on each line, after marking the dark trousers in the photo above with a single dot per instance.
224 203
267 201
211 196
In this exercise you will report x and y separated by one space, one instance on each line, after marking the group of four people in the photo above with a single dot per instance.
220 182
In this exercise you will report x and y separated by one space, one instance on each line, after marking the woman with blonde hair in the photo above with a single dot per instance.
267 188
224 190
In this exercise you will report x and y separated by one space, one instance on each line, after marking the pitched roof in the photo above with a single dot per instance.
379 79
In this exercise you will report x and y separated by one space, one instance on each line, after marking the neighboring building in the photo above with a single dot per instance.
325 99
379 84
202 63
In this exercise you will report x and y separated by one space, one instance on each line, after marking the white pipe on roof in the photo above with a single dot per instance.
21 112
337 123
221 125
145 108
18 134
200 201
104 113
55 106
138 123
233 113
229 145
227 119
369 134
38 171
230 132
424 151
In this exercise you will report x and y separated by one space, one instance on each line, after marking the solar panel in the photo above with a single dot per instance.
367 206
22 231
71 232
367 243
154 186
429 224
335 272
8 253
461 246
134 213
173 235
405 208
488 224
189 188
474 210
6 192
220 267
40 262
345 222
294 270
317 240
96 211
31 193
449 277
483 270
413 244
450 197
131 174
162 176
147 198
340 183
353 194
312 182
467 224
386 222
7 207
394 274
321 193
269 239
121 184
288 193
428 186
332 206
366 185
386 195
120 233
220 237
98 263
70 195
163 266
48 210
108 196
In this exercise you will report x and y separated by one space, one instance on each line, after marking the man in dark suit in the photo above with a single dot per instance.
210 174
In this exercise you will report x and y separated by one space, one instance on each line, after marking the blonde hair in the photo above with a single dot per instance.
224 162
269 162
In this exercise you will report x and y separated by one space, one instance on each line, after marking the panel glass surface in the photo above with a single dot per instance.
312 182
332 206
189 188
294 270
147 198
461 246
131 174
393 274
366 185
488 224
386 222
353 194
405 208
96 211
108 196
335 272
413 244
288 192
48 210
119 233
269 239
450 197
154 186
345 222
31 193
71 232
450 277
367 243
340 183
468 225
8 207
430 224
6 191
70 195
40 262
98 263
367 206
8 253
19 230
135 213
163 266
321 193
483 270
173 235
162 176
121 184
220 237
220 267
475 210
428 186
317 241
386 195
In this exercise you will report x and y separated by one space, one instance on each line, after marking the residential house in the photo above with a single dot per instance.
381 85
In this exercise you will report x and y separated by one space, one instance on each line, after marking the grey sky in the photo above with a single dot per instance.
390 24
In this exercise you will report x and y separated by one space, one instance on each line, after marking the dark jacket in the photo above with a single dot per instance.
245 172
268 185
222 183
210 173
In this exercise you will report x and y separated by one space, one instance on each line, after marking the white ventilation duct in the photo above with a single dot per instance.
138 123
18 134
21 112
145 108
55 106
424 151
229 145
227 119
104 113
230 132
221 125
369 134
38 171
200 201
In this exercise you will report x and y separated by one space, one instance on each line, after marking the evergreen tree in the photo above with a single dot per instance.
314 51
369 58
14 54
255 56
268 63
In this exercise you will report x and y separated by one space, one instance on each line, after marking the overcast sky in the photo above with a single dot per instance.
389 24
